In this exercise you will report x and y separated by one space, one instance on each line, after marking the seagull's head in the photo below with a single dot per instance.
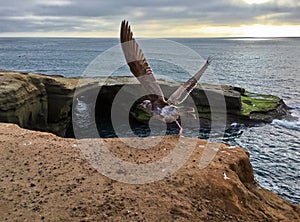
145 105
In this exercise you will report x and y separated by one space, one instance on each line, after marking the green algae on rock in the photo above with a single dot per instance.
262 107
252 102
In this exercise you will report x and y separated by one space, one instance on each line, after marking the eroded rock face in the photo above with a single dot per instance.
36 101
23 100
45 102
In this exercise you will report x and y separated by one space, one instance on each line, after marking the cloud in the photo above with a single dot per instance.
105 16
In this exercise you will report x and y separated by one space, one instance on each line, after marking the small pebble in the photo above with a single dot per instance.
225 176
27 143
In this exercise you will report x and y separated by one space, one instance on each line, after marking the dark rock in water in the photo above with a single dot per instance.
45 102
263 108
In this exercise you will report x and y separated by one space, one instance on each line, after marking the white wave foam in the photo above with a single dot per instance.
294 125
83 113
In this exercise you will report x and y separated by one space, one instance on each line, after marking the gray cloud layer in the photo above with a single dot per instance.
80 15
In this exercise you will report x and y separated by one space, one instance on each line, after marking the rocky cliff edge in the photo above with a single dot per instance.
47 178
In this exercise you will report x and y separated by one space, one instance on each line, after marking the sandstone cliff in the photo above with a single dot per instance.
44 102
36 101
46 178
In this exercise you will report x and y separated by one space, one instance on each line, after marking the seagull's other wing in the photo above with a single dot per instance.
138 64
184 90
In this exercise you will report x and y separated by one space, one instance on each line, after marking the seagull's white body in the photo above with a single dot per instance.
168 113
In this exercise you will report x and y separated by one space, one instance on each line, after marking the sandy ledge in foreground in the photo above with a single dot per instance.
47 178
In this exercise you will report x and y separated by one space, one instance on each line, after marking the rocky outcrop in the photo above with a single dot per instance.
47 178
36 101
44 102
23 100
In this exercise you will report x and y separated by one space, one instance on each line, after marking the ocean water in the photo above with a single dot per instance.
270 65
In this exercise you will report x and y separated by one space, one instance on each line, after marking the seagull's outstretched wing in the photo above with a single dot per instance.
138 64
184 90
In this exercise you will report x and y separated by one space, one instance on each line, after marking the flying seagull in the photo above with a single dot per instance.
156 105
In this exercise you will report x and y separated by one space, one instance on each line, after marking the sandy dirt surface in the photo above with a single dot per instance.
47 178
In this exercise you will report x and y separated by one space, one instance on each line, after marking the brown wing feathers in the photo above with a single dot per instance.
138 64
184 90
143 72
133 54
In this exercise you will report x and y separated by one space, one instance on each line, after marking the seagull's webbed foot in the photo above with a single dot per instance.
180 128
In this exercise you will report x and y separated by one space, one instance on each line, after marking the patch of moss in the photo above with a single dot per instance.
204 115
53 128
204 112
140 115
253 102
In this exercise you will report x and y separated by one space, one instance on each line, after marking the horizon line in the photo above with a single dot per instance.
171 37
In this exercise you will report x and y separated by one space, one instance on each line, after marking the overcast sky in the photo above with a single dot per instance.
155 18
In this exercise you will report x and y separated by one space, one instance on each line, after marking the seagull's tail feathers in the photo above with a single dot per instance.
187 111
